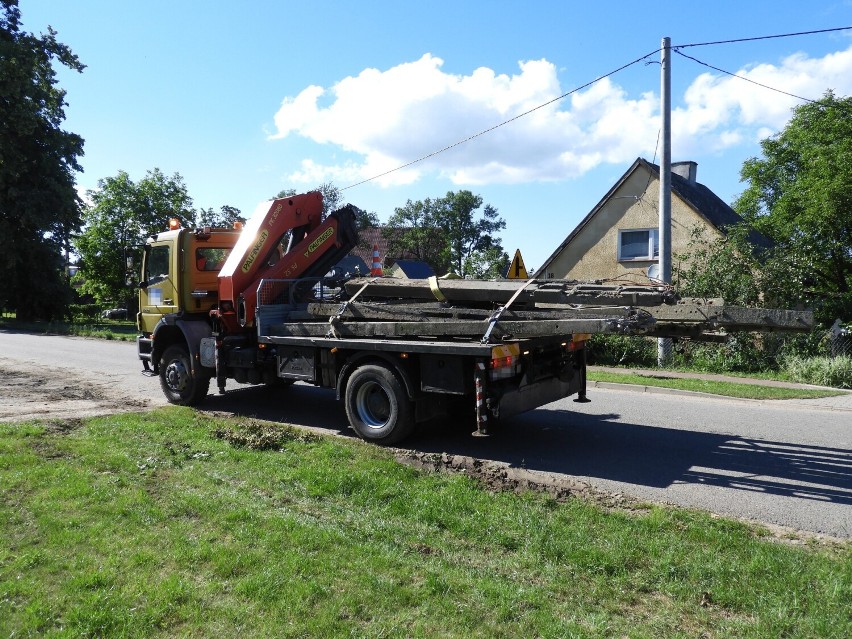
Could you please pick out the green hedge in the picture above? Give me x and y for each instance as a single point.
(620, 350)
(802, 358)
(823, 371)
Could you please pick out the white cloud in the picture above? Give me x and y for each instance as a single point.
(385, 119)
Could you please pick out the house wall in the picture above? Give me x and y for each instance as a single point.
(593, 253)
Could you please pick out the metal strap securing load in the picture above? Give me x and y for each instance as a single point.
(335, 319)
(492, 322)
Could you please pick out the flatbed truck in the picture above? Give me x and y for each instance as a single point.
(398, 353)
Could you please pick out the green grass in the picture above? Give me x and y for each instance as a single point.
(176, 524)
(727, 389)
(122, 330)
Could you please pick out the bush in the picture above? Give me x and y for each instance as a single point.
(823, 371)
(87, 312)
(742, 353)
(748, 352)
(621, 350)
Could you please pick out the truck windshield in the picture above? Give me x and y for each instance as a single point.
(157, 266)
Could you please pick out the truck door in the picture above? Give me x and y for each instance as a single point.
(158, 294)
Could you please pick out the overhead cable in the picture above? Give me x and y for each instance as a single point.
(754, 39)
(505, 122)
(676, 48)
(742, 77)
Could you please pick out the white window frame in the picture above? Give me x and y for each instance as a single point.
(653, 246)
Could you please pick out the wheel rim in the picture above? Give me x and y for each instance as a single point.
(373, 405)
(177, 376)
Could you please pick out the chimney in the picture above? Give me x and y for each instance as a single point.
(686, 170)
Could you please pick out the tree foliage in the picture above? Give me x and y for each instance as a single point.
(450, 233)
(799, 195)
(413, 231)
(735, 268)
(122, 215)
(39, 207)
(722, 267)
(225, 217)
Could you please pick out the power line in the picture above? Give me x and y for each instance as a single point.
(769, 37)
(504, 123)
(676, 48)
(734, 75)
(820, 102)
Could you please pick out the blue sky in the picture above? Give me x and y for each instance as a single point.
(245, 99)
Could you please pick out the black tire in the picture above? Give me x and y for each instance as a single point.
(377, 406)
(179, 385)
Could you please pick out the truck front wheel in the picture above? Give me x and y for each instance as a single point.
(377, 406)
(179, 385)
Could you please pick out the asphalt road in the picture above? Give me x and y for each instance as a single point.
(779, 462)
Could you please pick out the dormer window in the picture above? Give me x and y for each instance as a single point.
(641, 245)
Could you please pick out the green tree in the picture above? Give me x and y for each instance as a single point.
(722, 267)
(740, 268)
(799, 195)
(226, 217)
(450, 233)
(39, 207)
(487, 264)
(367, 220)
(122, 215)
(413, 231)
(470, 240)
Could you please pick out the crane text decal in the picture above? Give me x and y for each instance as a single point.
(275, 213)
(255, 250)
(319, 241)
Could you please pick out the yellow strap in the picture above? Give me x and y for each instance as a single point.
(436, 291)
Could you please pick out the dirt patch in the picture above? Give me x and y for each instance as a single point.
(501, 477)
(56, 394)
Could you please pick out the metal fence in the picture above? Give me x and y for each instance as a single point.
(291, 291)
(841, 343)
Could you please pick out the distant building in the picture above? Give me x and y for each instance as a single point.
(410, 269)
(619, 236)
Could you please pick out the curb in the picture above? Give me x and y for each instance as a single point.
(661, 390)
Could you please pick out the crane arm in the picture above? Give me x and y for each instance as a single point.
(315, 245)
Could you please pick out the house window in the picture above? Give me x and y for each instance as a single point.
(638, 244)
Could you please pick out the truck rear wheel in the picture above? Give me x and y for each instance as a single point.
(179, 385)
(377, 406)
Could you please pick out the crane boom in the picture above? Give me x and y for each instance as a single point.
(314, 246)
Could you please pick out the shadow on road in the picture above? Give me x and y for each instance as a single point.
(589, 445)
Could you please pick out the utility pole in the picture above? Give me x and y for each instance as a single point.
(664, 344)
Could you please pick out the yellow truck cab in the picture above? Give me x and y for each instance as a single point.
(180, 269)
